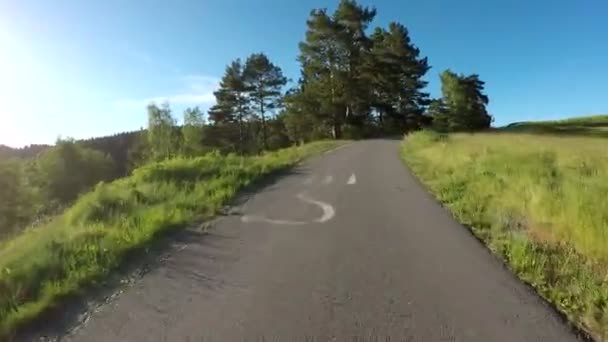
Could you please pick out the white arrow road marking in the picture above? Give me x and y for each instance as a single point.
(352, 180)
(328, 213)
(328, 179)
(328, 210)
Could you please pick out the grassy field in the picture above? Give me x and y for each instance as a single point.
(539, 201)
(591, 126)
(89, 240)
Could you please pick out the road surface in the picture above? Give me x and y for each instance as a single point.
(347, 247)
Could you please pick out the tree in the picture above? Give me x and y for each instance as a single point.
(232, 102)
(16, 198)
(323, 61)
(193, 131)
(68, 169)
(465, 102)
(263, 81)
(347, 76)
(440, 115)
(163, 139)
(277, 133)
(395, 72)
(352, 20)
(332, 60)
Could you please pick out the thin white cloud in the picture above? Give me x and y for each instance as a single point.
(142, 57)
(197, 90)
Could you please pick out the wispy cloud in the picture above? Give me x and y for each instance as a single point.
(196, 90)
(140, 56)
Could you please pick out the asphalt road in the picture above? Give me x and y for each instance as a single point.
(347, 247)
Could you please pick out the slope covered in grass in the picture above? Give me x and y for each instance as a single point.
(92, 237)
(538, 201)
(592, 126)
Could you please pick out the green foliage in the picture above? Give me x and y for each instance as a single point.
(193, 131)
(163, 138)
(463, 104)
(264, 82)
(440, 114)
(34, 188)
(395, 70)
(68, 169)
(116, 146)
(355, 84)
(16, 198)
(93, 236)
(540, 202)
(232, 102)
(246, 103)
(26, 152)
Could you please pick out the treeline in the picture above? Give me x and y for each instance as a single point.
(35, 188)
(25, 152)
(355, 82)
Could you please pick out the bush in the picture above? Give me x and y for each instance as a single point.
(68, 169)
(16, 198)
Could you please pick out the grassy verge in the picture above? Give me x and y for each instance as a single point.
(539, 202)
(90, 239)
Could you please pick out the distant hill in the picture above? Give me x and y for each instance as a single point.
(24, 152)
(596, 125)
(116, 146)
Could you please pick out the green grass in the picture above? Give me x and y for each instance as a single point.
(90, 239)
(593, 126)
(538, 201)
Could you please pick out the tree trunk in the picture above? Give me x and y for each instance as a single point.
(241, 149)
(241, 133)
(337, 130)
(264, 136)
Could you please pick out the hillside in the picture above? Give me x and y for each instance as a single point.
(30, 151)
(596, 125)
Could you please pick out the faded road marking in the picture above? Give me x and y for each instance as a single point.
(328, 180)
(328, 213)
(328, 210)
(336, 149)
(307, 181)
(352, 180)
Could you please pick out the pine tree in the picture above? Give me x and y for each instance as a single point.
(323, 62)
(331, 59)
(263, 81)
(352, 20)
(395, 72)
(232, 102)
(465, 101)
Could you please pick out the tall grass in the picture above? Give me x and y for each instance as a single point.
(91, 238)
(540, 202)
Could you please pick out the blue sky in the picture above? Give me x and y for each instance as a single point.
(83, 68)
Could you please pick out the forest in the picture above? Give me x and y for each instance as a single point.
(356, 81)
